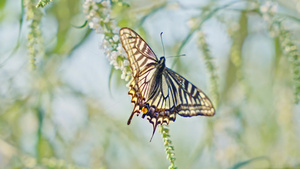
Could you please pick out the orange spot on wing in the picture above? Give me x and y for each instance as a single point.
(144, 110)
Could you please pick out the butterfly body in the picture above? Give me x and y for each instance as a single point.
(158, 92)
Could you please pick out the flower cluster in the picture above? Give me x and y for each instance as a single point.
(34, 37)
(287, 44)
(291, 50)
(43, 3)
(116, 55)
(98, 15)
(210, 65)
(268, 9)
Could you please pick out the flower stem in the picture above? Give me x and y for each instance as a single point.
(168, 146)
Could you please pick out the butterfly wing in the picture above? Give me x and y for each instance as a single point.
(143, 63)
(174, 94)
(187, 98)
(138, 51)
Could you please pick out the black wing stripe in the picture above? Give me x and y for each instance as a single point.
(144, 46)
(186, 85)
(173, 91)
(193, 90)
(143, 63)
(139, 56)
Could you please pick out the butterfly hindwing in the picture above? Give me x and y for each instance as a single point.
(173, 94)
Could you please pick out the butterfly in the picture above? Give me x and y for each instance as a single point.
(158, 92)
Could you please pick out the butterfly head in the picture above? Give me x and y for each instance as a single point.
(162, 60)
(161, 64)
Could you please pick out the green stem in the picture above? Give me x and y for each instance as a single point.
(168, 146)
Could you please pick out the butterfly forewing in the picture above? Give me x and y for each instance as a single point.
(158, 92)
(138, 51)
(187, 98)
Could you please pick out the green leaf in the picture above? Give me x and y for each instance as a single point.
(247, 162)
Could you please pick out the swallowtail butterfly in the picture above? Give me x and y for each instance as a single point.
(159, 93)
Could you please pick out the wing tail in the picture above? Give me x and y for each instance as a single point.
(154, 128)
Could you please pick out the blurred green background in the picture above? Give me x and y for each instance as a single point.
(63, 105)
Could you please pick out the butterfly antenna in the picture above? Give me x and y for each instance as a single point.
(176, 56)
(162, 42)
